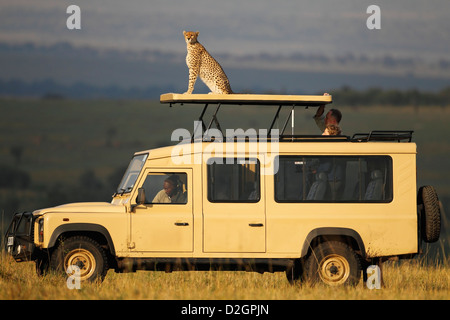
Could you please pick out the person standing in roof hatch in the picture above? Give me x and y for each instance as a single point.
(328, 124)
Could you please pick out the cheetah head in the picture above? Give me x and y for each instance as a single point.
(190, 36)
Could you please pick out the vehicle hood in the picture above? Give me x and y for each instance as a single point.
(83, 207)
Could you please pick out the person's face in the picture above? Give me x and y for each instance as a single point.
(330, 119)
(168, 188)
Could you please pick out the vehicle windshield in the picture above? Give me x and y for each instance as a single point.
(132, 173)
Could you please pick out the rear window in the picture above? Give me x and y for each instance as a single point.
(334, 179)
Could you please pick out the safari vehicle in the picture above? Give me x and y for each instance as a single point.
(321, 208)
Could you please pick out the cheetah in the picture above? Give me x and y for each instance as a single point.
(201, 63)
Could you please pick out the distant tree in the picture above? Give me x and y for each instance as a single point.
(52, 96)
(16, 152)
(89, 181)
(393, 97)
(11, 177)
(91, 188)
(110, 134)
(444, 95)
(9, 206)
(57, 194)
(115, 178)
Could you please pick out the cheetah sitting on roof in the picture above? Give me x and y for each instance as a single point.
(201, 63)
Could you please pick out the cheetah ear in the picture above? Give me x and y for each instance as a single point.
(197, 33)
(184, 32)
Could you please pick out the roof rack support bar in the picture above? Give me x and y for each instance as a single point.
(287, 120)
(275, 118)
(203, 112)
(292, 122)
(214, 118)
(200, 119)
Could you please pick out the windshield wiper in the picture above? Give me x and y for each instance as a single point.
(122, 191)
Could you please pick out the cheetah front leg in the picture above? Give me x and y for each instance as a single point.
(192, 78)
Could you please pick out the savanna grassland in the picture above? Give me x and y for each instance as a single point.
(402, 280)
(59, 151)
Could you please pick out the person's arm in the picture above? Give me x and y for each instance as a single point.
(159, 198)
(319, 111)
(319, 117)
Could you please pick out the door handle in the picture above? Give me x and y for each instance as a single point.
(181, 224)
(256, 225)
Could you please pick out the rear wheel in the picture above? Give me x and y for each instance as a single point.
(82, 252)
(333, 263)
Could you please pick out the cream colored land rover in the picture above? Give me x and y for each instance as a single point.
(319, 208)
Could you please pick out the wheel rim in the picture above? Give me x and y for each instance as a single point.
(84, 260)
(334, 269)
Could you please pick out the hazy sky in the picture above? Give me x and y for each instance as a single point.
(408, 27)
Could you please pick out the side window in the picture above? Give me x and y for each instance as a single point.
(334, 179)
(166, 188)
(233, 180)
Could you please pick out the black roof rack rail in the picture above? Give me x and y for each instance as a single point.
(383, 135)
(376, 135)
(313, 138)
(269, 138)
(357, 137)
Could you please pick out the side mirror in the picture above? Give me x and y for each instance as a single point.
(141, 196)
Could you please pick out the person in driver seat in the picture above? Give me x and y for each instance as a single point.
(172, 191)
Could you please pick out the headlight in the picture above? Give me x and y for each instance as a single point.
(41, 230)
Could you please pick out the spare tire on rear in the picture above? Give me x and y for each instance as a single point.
(430, 213)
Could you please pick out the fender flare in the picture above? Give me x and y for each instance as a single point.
(80, 227)
(333, 231)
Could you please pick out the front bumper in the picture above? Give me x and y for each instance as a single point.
(19, 238)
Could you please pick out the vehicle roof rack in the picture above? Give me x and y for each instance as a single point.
(383, 135)
(291, 101)
(247, 99)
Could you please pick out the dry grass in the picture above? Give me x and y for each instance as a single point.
(406, 280)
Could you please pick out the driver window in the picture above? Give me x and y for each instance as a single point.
(165, 188)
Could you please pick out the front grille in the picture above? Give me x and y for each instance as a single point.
(22, 226)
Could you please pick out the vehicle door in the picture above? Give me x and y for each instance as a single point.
(233, 206)
(164, 223)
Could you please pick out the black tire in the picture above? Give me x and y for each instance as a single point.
(430, 211)
(83, 252)
(333, 263)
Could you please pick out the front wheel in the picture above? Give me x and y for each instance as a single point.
(82, 252)
(333, 263)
